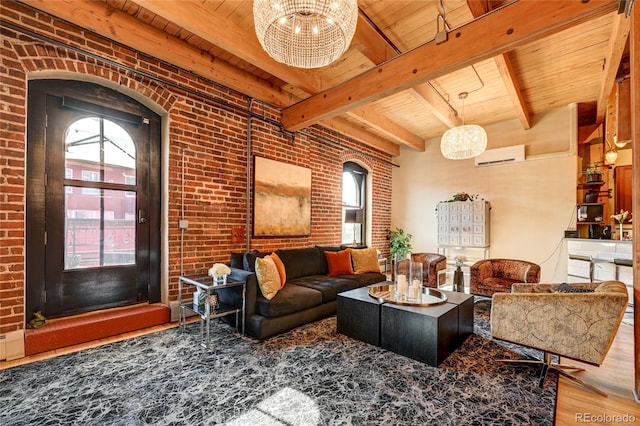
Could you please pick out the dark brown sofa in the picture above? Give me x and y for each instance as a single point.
(308, 295)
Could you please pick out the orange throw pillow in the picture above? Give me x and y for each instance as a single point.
(339, 262)
(280, 266)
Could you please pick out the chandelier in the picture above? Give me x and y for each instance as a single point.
(462, 142)
(305, 33)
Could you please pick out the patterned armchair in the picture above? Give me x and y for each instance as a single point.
(497, 275)
(576, 325)
(432, 263)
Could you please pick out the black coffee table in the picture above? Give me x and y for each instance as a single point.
(427, 334)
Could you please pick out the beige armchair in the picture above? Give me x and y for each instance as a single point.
(489, 276)
(580, 326)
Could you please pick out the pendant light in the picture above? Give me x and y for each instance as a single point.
(462, 142)
(305, 33)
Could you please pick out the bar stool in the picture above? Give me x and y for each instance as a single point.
(621, 262)
(586, 258)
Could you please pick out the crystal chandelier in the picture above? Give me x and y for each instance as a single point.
(305, 33)
(462, 142)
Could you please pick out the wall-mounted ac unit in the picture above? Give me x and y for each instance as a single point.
(509, 154)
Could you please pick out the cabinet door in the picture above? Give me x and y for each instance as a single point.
(479, 241)
(478, 217)
(623, 188)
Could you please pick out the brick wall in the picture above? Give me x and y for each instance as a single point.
(210, 138)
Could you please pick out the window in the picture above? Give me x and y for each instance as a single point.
(68, 174)
(100, 219)
(90, 176)
(130, 180)
(354, 197)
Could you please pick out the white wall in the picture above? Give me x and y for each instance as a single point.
(533, 202)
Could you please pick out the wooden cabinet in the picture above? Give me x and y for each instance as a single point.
(618, 120)
(623, 194)
(464, 223)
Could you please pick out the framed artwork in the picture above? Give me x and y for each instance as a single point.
(281, 199)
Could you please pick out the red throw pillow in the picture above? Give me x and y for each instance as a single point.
(339, 262)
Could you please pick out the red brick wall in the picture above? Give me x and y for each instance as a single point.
(212, 139)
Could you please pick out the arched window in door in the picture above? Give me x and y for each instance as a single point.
(354, 201)
(100, 191)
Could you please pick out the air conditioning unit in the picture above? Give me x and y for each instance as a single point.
(509, 154)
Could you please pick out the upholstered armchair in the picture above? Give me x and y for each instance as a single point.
(490, 276)
(432, 263)
(580, 326)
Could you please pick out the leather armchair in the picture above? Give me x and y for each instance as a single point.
(489, 276)
(432, 263)
(580, 326)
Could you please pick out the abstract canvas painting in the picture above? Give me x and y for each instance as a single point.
(281, 199)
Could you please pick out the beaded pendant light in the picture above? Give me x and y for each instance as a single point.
(305, 33)
(462, 142)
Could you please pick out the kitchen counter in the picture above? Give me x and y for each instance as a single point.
(594, 260)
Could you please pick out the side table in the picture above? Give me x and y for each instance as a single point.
(207, 312)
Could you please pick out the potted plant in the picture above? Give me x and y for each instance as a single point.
(592, 173)
(399, 243)
(460, 196)
(399, 247)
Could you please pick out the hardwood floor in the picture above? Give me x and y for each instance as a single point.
(615, 377)
(576, 404)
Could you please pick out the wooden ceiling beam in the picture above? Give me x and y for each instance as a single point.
(197, 18)
(356, 132)
(493, 34)
(478, 7)
(378, 50)
(118, 26)
(127, 30)
(202, 21)
(370, 43)
(382, 124)
(619, 35)
(505, 68)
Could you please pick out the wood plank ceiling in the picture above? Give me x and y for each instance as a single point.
(516, 59)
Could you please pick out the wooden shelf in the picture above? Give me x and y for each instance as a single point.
(590, 184)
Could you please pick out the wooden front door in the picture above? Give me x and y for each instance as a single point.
(93, 199)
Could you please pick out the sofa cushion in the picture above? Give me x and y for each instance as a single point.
(302, 262)
(365, 279)
(249, 261)
(236, 260)
(268, 277)
(339, 262)
(365, 260)
(328, 286)
(281, 270)
(322, 249)
(290, 299)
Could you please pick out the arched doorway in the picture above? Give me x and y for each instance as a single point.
(93, 199)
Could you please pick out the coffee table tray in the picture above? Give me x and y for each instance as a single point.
(426, 296)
